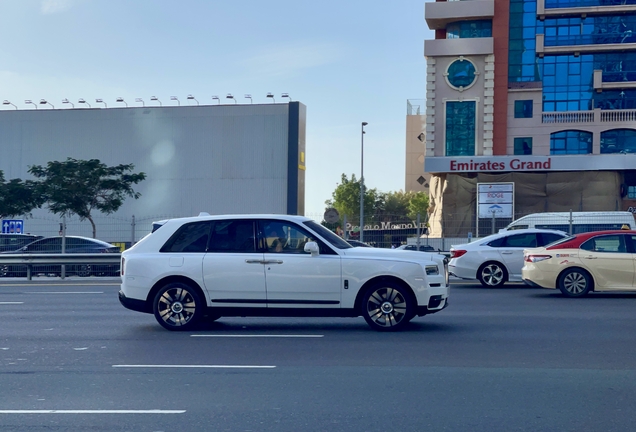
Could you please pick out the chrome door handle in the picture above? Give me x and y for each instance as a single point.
(253, 261)
(590, 257)
(506, 253)
(272, 262)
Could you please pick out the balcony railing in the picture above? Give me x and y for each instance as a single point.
(568, 117)
(594, 116)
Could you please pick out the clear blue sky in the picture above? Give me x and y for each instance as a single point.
(348, 61)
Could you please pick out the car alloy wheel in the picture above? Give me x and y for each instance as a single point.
(575, 283)
(492, 275)
(387, 307)
(177, 306)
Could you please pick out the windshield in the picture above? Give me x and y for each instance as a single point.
(331, 237)
(563, 240)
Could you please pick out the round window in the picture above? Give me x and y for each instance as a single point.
(461, 74)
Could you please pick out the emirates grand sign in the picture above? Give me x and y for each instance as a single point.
(604, 162)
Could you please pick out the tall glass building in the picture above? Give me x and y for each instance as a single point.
(537, 94)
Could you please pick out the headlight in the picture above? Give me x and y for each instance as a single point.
(432, 270)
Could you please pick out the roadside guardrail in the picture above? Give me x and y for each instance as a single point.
(29, 260)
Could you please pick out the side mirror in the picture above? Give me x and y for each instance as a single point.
(312, 248)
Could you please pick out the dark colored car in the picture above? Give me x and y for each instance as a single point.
(423, 248)
(11, 242)
(53, 245)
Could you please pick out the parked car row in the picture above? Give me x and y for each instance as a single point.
(53, 245)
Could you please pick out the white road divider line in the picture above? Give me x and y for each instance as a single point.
(66, 292)
(11, 303)
(153, 411)
(256, 336)
(196, 366)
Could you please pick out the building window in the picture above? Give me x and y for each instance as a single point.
(469, 29)
(523, 109)
(461, 74)
(571, 142)
(523, 146)
(618, 141)
(631, 192)
(460, 128)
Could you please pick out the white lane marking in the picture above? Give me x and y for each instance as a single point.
(80, 349)
(66, 292)
(11, 303)
(154, 411)
(196, 366)
(258, 336)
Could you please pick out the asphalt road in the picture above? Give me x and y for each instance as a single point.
(509, 359)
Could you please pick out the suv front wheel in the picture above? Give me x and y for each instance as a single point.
(387, 306)
(178, 306)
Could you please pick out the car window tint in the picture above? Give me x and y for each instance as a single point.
(287, 237)
(233, 236)
(527, 240)
(335, 240)
(607, 243)
(497, 242)
(547, 238)
(190, 238)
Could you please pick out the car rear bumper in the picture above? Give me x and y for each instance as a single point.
(133, 304)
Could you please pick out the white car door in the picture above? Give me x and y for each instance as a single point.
(294, 278)
(233, 270)
(511, 251)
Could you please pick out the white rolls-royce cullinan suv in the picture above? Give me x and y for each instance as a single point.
(274, 265)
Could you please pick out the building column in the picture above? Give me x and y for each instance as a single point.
(430, 108)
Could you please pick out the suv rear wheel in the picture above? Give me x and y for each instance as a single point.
(178, 306)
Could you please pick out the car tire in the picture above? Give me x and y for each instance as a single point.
(492, 274)
(178, 306)
(575, 282)
(84, 270)
(387, 306)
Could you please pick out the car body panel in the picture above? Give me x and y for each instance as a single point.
(509, 255)
(611, 270)
(284, 281)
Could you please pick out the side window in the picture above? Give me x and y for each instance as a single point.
(233, 236)
(497, 242)
(522, 240)
(288, 238)
(51, 245)
(192, 237)
(547, 238)
(608, 243)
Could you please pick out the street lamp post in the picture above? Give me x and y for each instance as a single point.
(362, 182)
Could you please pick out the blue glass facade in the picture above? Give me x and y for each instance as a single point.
(568, 80)
(571, 142)
(618, 141)
(469, 29)
(460, 128)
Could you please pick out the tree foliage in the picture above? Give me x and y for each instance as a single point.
(18, 197)
(378, 206)
(82, 186)
(346, 199)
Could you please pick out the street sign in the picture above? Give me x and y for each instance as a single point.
(495, 200)
(13, 226)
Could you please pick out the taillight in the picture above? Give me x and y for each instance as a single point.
(123, 260)
(536, 258)
(457, 253)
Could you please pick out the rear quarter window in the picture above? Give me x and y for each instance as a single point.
(190, 238)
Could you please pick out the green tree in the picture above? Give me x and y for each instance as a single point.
(418, 203)
(392, 206)
(346, 199)
(18, 197)
(82, 186)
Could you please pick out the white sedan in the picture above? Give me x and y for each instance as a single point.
(498, 258)
(275, 265)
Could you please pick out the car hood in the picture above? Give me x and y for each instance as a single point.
(393, 254)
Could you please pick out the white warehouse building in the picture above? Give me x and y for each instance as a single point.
(209, 158)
